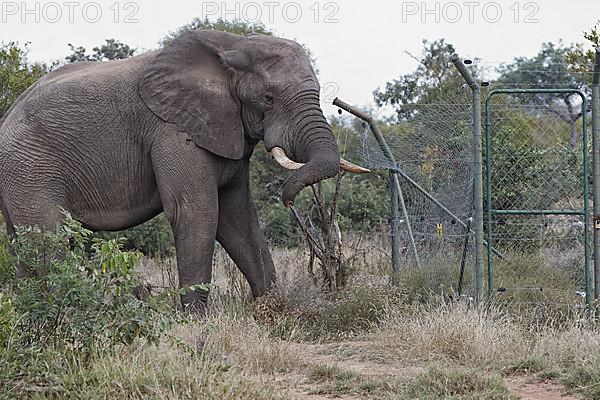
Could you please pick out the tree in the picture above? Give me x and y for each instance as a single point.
(16, 74)
(111, 50)
(431, 80)
(580, 59)
(549, 69)
(237, 27)
(428, 120)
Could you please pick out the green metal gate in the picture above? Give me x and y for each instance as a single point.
(537, 198)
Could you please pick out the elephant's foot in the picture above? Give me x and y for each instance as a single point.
(195, 302)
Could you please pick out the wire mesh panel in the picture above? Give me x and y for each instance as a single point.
(433, 150)
(537, 200)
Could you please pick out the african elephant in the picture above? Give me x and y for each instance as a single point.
(116, 143)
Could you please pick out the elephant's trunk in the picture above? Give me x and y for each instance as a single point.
(310, 141)
(321, 163)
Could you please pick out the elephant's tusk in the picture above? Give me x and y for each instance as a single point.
(355, 169)
(283, 160)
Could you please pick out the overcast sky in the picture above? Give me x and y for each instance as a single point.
(359, 45)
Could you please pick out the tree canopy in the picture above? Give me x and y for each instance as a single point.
(237, 27)
(549, 69)
(16, 73)
(582, 59)
(111, 50)
(432, 79)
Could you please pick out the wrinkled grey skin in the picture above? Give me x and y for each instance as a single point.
(116, 143)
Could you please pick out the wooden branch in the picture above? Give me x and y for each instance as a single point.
(312, 242)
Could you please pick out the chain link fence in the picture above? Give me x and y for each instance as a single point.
(434, 163)
(537, 201)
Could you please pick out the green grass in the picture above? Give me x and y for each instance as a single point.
(584, 379)
(434, 383)
(448, 383)
(529, 365)
(533, 278)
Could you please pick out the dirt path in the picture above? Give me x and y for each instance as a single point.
(353, 357)
(357, 358)
(531, 388)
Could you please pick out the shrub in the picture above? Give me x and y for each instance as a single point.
(364, 202)
(152, 238)
(78, 298)
(78, 302)
(279, 226)
(305, 311)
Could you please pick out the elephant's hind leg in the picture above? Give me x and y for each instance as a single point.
(240, 234)
(41, 212)
(10, 228)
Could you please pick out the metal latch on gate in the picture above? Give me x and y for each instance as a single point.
(596, 219)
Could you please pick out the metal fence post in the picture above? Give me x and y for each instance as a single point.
(394, 223)
(596, 170)
(477, 174)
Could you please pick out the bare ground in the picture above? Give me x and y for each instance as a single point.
(529, 387)
(355, 357)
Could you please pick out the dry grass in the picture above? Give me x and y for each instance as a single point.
(453, 383)
(567, 348)
(452, 333)
(238, 340)
(164, 372)
(371, 340)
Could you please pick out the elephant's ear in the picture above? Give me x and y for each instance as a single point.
(188, 83)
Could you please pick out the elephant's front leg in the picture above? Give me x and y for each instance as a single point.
(240, 234)
(187, 179)
(194, 231)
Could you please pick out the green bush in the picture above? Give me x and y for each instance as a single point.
(279, 226)
(75, 304)
(364, 202)
(78, 297)
(152, 238)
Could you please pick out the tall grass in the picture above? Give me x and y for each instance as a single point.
(450, 333)
(265, 349)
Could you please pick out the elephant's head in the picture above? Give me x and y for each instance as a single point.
(228, 91)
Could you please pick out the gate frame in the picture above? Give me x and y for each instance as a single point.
(491, 212)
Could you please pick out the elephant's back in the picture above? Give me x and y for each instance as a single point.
(78, 138)
(78, 102)
(81, 122)
(93, 72)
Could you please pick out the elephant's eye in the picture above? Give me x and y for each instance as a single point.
(269, 98)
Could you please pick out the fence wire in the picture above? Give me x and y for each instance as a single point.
(536, 163)
(433, 146)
